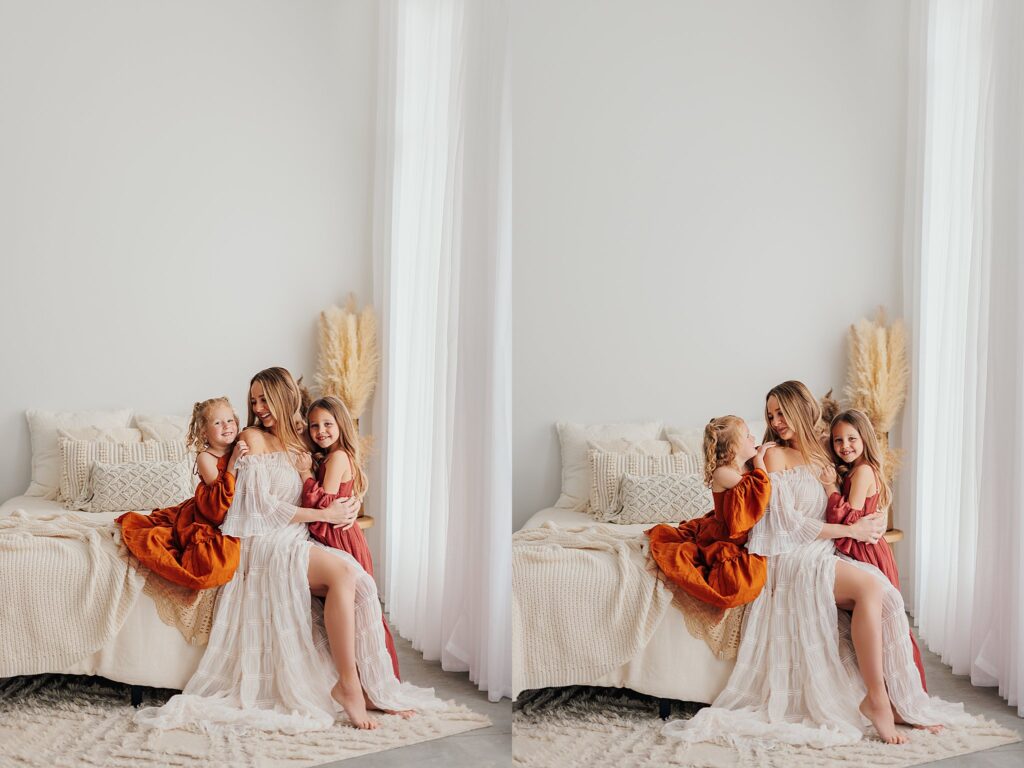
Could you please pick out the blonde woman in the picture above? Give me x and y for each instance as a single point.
(276, 659)
(797, 679)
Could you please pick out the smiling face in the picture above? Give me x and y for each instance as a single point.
(777, 420)
(323, 429)
(846, 442)
(260, 407)
(746, 443)
(221, 426)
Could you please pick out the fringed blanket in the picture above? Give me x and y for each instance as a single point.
(67, 591)
(583, 603)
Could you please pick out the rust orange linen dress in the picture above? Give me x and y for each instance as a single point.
(184, 543)
(707, 557)
(878, 554)
(352, 541)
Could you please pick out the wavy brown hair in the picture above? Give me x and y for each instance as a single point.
(874, 457)
(287, 400)
(720, 438)
(803, 415)
(348, 441)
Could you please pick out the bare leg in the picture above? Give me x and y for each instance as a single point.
(332, 578)
(861, 591)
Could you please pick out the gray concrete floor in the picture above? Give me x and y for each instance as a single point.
(489, 747)
(978, 701)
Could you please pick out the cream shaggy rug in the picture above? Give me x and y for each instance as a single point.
(54, 721)
(606, 727)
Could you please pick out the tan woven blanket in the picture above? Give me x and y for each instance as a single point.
(189, 611)
(67, 590)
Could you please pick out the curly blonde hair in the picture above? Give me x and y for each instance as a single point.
(348, 441)
(720, 438)
(874, 456)
(196, 436)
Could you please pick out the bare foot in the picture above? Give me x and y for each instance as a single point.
(405, 714)
(900, 721)
(350, 697)
(881, 716)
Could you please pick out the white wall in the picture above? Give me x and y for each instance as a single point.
(183, 186)
(706, 195)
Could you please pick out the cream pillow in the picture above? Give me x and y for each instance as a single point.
(137, 485)
(162, 428)
(670, 498)
(43, 427)
(102, 434)
(78, 456)
(574, 439)
(609, 468)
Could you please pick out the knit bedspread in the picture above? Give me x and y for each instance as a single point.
(67, 591)
(583, 603)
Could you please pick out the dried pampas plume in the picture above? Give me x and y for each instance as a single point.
(878, 377)
(349, 358)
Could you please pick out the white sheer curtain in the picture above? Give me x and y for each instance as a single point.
(963, 485)
(442, 281)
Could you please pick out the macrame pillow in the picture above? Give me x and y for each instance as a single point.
(139, 485)
(670, 498)
(78, 456)
(607, 469)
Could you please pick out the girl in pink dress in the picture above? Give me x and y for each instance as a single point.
(864, 491)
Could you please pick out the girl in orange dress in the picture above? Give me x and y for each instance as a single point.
(864, 491)
(339, 475)
(184, 543)
(706, 557)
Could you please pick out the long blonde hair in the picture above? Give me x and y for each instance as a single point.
(286, 399)
(803, 415)
(873, 455)
(720, 438)
(348, 441)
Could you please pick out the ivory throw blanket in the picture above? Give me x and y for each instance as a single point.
(583, 603)
(62, 601)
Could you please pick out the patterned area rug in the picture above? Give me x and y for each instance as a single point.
(54, 721)
(607, 727)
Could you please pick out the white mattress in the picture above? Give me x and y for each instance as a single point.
(145, 651)
(674, 664)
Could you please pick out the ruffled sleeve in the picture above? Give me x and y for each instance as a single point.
(213, 500)
(744, 504)
(785, 527)
(839, 511)
(266, 489)
(314, 496)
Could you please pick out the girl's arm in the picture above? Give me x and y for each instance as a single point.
(206, 463)
(861, 485)
(724, 478)
(338, 470)
(241, 449)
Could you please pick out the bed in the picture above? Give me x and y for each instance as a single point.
(673, 664)
(145, 651)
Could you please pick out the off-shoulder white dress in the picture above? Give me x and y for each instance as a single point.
(268, 663)
(796, 678)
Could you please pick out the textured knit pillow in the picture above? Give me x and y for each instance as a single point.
(139, 485)
(669, 498)
(78, 456)
(607, 470)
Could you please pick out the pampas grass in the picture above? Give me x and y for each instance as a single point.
(348, 360)
(878, 378)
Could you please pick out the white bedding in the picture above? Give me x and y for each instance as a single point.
(146, 651)
(674, 664)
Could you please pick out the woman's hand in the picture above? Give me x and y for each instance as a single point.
(868, 529)
(759, 456)
(342, 513)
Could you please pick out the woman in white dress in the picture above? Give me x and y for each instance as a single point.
(805, 673)
(276, 659)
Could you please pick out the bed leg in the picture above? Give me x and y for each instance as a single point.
(664, 708)
(136, 695)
